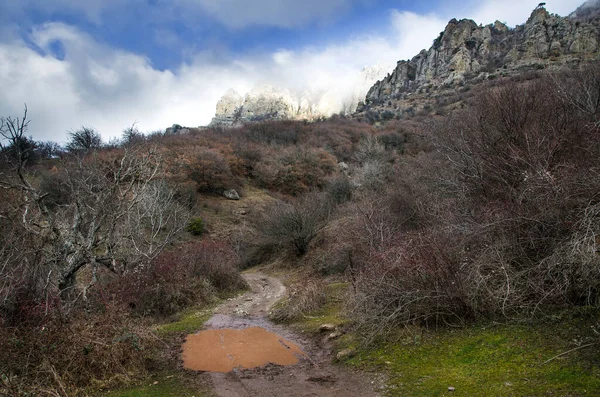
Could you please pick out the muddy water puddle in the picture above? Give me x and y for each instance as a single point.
(223, 350)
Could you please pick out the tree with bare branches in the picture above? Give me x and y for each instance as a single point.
(118, 216)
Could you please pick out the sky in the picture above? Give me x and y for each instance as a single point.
(108, 64)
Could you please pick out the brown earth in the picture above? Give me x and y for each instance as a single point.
(243, 336)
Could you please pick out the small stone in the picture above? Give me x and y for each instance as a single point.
(155, 382)
(327, 327)
(345, 354)
(450, 388)
(334, 335)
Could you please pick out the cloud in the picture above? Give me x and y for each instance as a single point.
(98, 86)
(92, 10)
(234, 14)
(415, 32)
(109, 89)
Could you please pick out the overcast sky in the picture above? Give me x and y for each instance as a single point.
(109, 63)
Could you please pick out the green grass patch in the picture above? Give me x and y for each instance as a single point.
(188, 321)
(330, 313)
(493, 360)
(192, 319)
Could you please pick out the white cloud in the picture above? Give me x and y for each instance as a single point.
(109, 89)
(98, 86)
(415, 32)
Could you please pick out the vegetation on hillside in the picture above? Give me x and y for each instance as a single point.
(490, 213)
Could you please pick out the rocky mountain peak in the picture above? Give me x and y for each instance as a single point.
(466, 52)
(268, 102)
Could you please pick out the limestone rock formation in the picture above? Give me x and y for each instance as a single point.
(465, 51)
(266, 102)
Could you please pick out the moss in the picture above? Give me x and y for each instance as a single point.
(190, 320)
(505, 360)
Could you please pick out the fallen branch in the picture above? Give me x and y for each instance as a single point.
(569, 351)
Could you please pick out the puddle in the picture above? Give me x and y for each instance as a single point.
(222, 350)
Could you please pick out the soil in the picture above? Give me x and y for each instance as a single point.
(264, 359)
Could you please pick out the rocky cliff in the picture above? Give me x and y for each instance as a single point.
(467, 52)
(267, 102)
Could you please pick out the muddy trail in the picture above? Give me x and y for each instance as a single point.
(246, 355)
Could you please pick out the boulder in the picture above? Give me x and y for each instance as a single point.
(231, 194)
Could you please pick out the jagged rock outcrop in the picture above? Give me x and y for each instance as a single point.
(465, 51)
(266, 102)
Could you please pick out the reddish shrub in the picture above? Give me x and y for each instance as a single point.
(178, 278)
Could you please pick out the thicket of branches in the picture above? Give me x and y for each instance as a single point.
(512, 227)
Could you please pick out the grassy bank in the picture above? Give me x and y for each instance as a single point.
(493, 360)
(486, 359)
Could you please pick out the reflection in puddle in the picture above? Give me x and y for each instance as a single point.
(222, 350)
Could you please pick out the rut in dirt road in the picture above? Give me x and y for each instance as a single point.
(247, 355)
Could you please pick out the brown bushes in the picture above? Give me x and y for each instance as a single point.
(106, 339)
(104, 348)
(176, 279)
(294, 170)
(211, 172)
(294, 225)
(418, 280)
(505, 216)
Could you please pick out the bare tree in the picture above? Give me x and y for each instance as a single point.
(119, 214)
(83, 140)
(295, 225)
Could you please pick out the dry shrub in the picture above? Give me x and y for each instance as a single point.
(303, 298)
(211, 172)
(419, 280)
(294, 225)
(193, 273)
(574, 269)
(106, 348)
(294, 170)
(504, 218)
(216, 261)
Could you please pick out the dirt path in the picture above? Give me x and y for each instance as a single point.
(312, 375)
